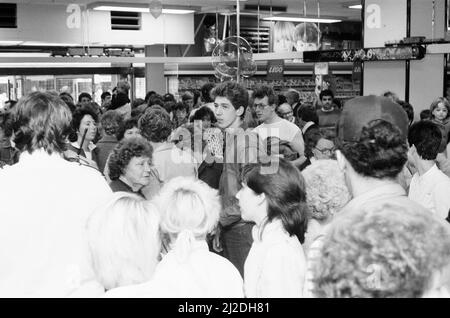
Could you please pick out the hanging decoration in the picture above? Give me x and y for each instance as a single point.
(232, 58)
(155, 8)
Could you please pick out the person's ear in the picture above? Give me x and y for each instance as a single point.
(261, 199)
(342, 162)
(240, 111)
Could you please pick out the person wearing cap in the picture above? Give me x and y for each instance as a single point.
(371, 151)
(429, 185)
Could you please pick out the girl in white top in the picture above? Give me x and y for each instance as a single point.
(189, 211)
(276, 265)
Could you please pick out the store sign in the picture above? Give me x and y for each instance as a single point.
(415, 52)
(321, 68)
(275, 69)
(74, 18)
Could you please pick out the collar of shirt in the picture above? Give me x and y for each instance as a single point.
(388, 190)
(429, 176)
(91, 145)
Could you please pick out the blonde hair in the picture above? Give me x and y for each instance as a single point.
(326, 191)
(124, 240)
(284, 30)
(189, 210)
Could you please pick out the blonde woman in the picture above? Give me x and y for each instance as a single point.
(189, 211)
(124, 240)
(284, 36)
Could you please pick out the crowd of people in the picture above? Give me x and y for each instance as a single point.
(225, 193)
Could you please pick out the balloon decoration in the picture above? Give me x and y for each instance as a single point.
(233, 57)
(155, 8)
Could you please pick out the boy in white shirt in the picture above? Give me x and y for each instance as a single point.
(429, 186)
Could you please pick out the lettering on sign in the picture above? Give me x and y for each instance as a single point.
(74, 19)
(275, 69)
(373, 16)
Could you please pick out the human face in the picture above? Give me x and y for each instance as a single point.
(88, 123)
(250, 203)
(107, 99)
(283, 45)
(137, 172)
(440, 112)
(225, 112)
(263, 110)
(206, 122)
(324, 149)
(327, 102)
(132, 132)
(189, 103)
(301, 46)
(180, 114)
(285, 111)
(85, 101)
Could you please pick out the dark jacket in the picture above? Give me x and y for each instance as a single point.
(120, 186)
(102, 150)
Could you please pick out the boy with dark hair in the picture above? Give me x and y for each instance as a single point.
(230, 104)
(328, 114)
(429, 186)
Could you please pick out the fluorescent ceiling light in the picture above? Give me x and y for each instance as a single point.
(10, 42)
(301, 19)
(37, 43)
(356, 6)
(146, 9)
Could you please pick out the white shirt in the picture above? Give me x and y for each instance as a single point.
(432, 190)
(45, 203)
(282, 129)
(202, 275)
(276, 265)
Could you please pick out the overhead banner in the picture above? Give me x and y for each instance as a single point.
(375, 54)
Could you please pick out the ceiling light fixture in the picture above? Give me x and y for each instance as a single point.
(356, 6)
(103, 6)
(293, 18)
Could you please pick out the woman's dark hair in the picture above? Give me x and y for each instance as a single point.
(155, 124)
(125, 125)
(124, 152)
(206, 92)
(111, 121)
(149, 95)
(41, 121)
(137, 102)
(79, 114)
(285, 194)
(84, 94)
(155, 100)
(380, 153)
(308, 114)
(169, 106)
(281, 99)
(203, 112)
(181, 106)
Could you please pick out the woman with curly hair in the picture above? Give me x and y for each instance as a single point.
(276, 202)
(385, 250)
(130, 165)
(326, 195)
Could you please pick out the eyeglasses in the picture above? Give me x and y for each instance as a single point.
(260, 106)
(326, 151)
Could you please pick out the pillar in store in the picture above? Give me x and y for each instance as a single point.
(384, 20)
(154, 72)
(427, 76)
(418, 82)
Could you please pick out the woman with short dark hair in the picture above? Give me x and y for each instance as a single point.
(276, 202)
(84, 126)
(130, 165)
